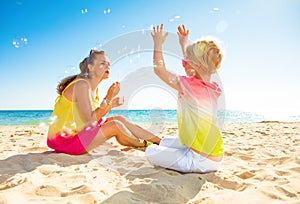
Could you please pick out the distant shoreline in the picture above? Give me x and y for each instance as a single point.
(140, 116)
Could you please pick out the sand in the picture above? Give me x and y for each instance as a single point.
(262, 165)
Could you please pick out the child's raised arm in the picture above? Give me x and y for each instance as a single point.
(158, 60)
(183, 35)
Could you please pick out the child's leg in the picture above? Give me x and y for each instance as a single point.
(183, 160)
(167, 157)
(173, 155)
(173, 142)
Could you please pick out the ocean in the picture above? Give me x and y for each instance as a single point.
(42, 117)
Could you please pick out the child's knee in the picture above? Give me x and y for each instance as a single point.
(151, 152)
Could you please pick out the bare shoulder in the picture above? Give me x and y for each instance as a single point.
(79, 86)
(81, 82)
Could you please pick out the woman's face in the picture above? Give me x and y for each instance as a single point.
(102, 66)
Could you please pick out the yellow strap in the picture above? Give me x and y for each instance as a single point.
(73, 82)
(97, 96)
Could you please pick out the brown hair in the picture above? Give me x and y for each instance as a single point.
(84, 71)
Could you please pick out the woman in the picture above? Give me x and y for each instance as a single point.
(78, 122)
(199, 147)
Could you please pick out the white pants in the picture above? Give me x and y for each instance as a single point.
(171, 154)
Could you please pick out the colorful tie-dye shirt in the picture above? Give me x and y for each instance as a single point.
(197, 121)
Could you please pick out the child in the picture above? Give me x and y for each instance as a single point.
(78, 119)
(199, 147)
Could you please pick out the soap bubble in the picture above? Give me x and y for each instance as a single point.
(192, 72)
(141, 79)
(42, 125)
(53, 119)
(71, 70)
(175, 18)
(221, 26)
(84, 11)
(19, 42)
(173, 79)
(94, 123)
(106, 11)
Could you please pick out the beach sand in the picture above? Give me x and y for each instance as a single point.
(261, 165)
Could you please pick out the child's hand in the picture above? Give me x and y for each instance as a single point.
(158, 36)
(183, 35)
(113, 90)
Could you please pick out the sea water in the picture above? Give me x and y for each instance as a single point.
(42, 117)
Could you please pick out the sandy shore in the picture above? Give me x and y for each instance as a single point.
(262, 165)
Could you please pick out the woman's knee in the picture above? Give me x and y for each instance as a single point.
(118, 128)
(119, 118)
(112, 127)
(118, 125)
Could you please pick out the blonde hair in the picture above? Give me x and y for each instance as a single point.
(206, 54)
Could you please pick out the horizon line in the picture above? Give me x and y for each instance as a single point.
(52, 109)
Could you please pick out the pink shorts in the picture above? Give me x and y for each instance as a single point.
(75, 145)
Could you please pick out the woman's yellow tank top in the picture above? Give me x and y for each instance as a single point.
(66, 118)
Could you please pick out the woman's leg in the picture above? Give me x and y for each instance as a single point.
(136, 130)
(117, 129)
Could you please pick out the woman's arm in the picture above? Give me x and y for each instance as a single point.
(82, 97)
(108, 102)
(158, 60)
(103, 109)
(116, 102)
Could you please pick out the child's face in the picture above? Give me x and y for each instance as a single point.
(189, 67)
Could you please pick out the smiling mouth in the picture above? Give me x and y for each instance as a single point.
(107, 72)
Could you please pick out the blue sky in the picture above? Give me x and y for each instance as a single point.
(40, 42)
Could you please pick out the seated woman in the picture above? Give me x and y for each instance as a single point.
(199, 147)
(78, 122)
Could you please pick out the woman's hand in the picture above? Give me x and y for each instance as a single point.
(183, 35)
(113, 90)
(158, 36)
(117, 102)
